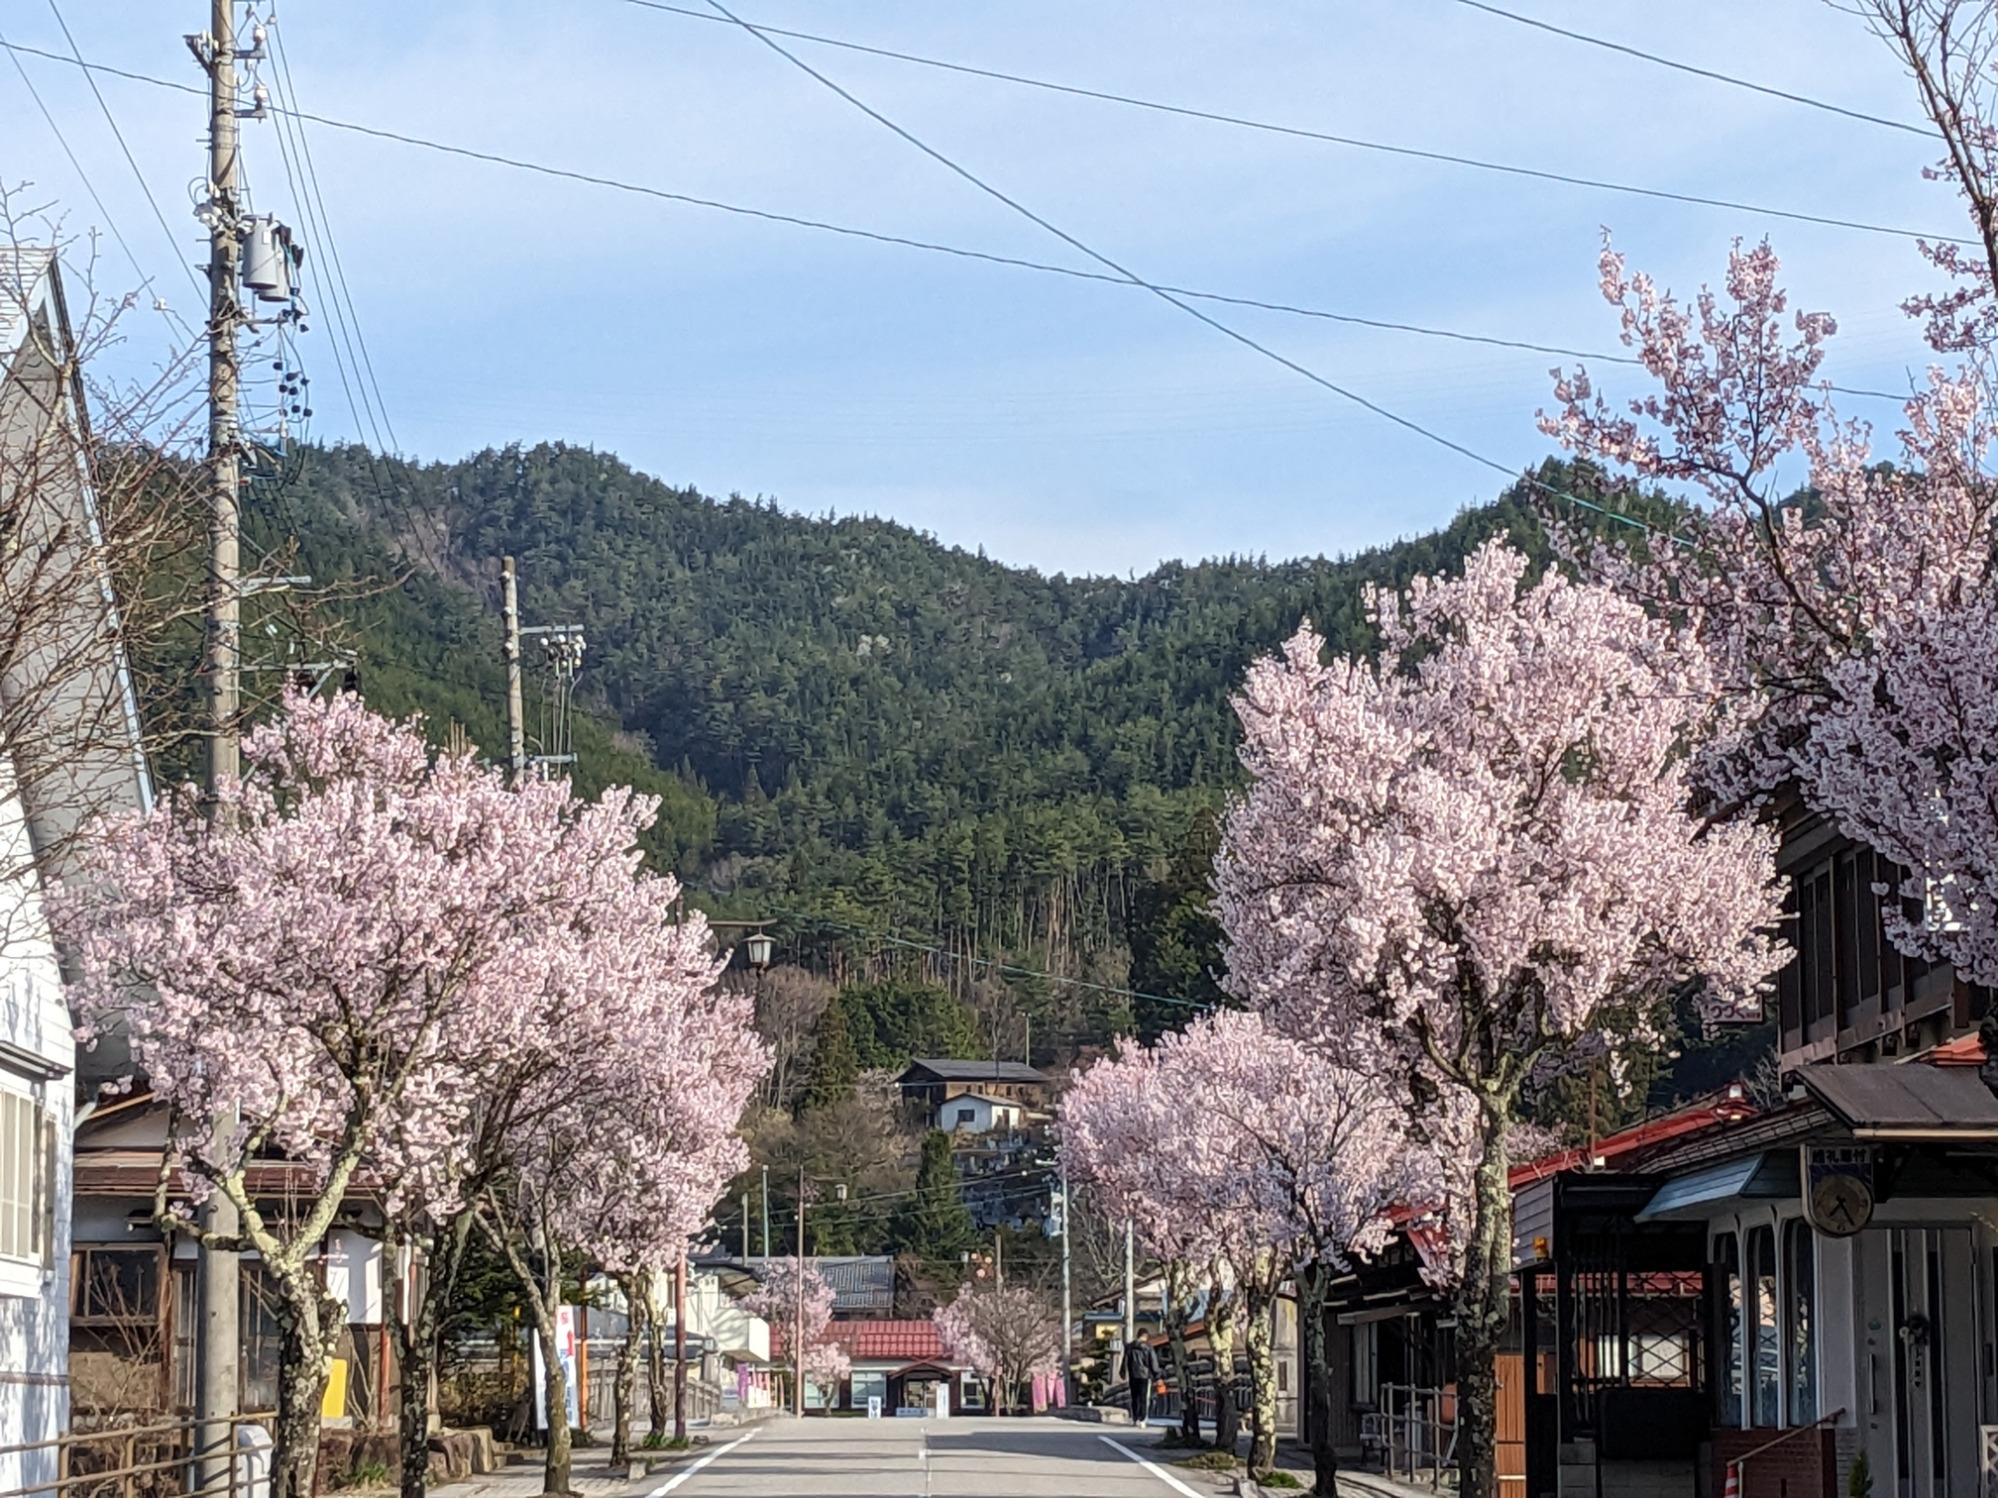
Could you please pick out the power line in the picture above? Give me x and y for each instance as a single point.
(144, 186)
(350, 320)
(1012, 969)
(900, 241)
(1686, 67)
(1176, 297)
(1167, 297)
(83, 176)
(1300, 133)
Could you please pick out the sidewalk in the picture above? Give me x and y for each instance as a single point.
(1377, 1485)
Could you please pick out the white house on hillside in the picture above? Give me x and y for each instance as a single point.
(69, 747)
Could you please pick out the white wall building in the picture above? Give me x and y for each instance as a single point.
(69, 748)
(974, 1113)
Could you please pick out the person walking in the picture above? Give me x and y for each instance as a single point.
(1141, 1370)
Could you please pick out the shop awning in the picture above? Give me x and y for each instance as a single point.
(1910, 1101)
(1693, 1196)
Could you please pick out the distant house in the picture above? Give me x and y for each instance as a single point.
(975, 1113)
(933, 1081)
(901, 1363)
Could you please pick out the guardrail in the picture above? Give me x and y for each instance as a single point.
(153, 1459)
(1413, 1433)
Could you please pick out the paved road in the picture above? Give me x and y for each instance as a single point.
(964, 1458)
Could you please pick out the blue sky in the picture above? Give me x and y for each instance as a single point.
(1061, 424)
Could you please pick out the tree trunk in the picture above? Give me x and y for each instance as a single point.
(416, 1338)
(555, 1390)
(1311, 1285)
(1258, 1336)
(1221, 1338)
(657, 1387)
(1177, 1301)
(625, 1387)
(305, 1359)
(1483, 1307)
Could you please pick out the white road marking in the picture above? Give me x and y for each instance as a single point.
(1152, 1467)
(666, 1487)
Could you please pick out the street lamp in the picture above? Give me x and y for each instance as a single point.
(760, 948)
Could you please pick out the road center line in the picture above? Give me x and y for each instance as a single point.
(666, 1487)
(1152, 1467)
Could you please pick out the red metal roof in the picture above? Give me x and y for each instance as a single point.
(877, 1341)
(1965, 1050)
(1636, 1140)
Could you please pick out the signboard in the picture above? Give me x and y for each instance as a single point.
(874, 1406)
(1838, 1187)
(565, 1350)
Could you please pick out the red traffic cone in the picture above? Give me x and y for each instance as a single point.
(1732, 1487)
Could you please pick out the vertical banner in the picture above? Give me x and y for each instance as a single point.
(565, 1351)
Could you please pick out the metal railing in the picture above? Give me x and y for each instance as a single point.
(704, 1400)
(1412, 1432)
(155, 1459)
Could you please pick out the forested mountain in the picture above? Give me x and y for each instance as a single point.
(870, 735)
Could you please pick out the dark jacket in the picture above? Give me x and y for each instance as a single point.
(1141, 1364)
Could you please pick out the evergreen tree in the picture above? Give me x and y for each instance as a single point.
(935, 1224)
(1175, 938)
(835, 1066)
(896, 1021)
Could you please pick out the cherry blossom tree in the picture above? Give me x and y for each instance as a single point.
(1127, 1137)
(1851, 632)
(1329, 1157)
(337, 962)
(1007, 1334)
(1476, 855)
(626, 1142)
(815, 1356)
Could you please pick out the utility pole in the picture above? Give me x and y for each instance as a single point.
(998, 1261)
(221, 1268)
(1130, 1283)
(745, 1227)
(766, 1211)
(564, 645)
(798, 1342)
(1067, 1310)
(680, 1348)
(516, 715)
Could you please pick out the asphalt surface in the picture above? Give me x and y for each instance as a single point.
(961, 1458)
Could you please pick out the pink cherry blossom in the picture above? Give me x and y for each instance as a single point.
(1476, 854)
(776, 1301)
(1849, 635)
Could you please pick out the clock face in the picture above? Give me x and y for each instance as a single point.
(1841, 1205)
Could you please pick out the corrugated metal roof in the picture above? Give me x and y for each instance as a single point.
(1755, 1177)
(949, 1069)
(1906, 1101)
(859, 1283)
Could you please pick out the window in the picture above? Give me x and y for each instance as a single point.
(27, 1180)
(115, 1286)
(1767, 1346)
(1800, 1320)
(870, 1386)
(967, 1115)
(1727, 1339)
(1366, 1362)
